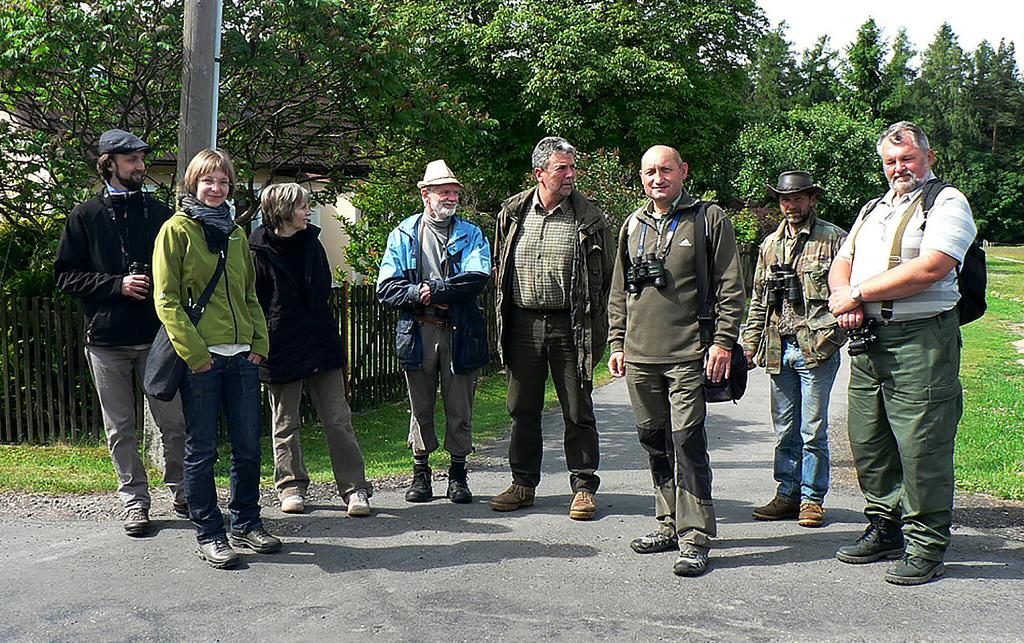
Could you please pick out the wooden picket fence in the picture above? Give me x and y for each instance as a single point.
(46, 389)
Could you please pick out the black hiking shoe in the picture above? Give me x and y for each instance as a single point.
(458, 484)
(218, 553)
(913, 570)
(881, 539)
(258, 540)
(136, 521)
(420, 489)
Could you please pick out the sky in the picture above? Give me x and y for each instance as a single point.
(972, 21)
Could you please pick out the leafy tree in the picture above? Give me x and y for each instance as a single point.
(601, 73)
(818, 81)
(863, 70)
(773, 75)
(837, 148)
(897, 80)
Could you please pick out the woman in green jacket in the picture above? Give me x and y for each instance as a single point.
(222, 352)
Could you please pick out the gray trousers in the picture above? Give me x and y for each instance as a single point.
(113, 369)
(327, 391)
(668, 401)
(457, 391)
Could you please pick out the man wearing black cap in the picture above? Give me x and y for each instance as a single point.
(792, 334)
(104, 259)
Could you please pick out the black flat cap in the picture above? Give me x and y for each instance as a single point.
(118, 141)
(794, 182)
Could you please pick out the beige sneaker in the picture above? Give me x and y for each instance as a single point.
(812, 514)
(293, 504)
(583, 507)
(515, 497)
(359, 503)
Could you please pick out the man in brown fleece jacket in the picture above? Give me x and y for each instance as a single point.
(655, 344)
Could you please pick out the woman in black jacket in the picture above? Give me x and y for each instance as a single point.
(293, 283)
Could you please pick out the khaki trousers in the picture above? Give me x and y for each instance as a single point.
(457, 392)
(113, 370)
(668, 401)
(327, 391)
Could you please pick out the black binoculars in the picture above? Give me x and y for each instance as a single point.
(648, 271)
(862, 338)
(138, 268)
(783, 285)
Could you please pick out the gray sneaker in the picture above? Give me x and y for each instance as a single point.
(692, 561)
(136, 521)
(654, 542)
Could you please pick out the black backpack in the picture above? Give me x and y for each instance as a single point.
(971, 276)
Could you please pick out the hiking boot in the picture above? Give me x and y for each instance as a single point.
(359, 503)
(881, 539)
(913, 570)
(458, 485)
(780, 508)
(583, 506)
(692, 561)
(515, 497)
(420, 489)
(258, 540)
(812, 514)
(662, 540)
(136, 521)
(180, 508)
(218, 553)
(293, 504)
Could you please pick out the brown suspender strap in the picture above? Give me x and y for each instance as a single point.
(896, 253)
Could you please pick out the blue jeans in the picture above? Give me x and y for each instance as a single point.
(799, 399)
(232, 385)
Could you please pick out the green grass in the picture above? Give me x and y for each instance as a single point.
(990, 440)
(382, 433)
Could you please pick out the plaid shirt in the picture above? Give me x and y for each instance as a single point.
(543, 256)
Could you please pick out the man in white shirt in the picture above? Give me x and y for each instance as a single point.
(905, 398)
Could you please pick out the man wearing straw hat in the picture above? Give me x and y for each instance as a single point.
(434, 268)
(792, 334)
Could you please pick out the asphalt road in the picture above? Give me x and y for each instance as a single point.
(462, 572)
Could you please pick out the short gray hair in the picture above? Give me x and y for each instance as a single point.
(278, 203)
(897, 133)
(547, 147)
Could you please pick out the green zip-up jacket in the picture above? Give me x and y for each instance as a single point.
(659, 325)
(182, 267)
(817, 332)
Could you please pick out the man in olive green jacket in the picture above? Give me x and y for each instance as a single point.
(791, 333)
(554, 252)
(656, 345)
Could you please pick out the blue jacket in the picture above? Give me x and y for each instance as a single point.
(398, 286)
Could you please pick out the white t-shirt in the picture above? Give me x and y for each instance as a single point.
(950, 229)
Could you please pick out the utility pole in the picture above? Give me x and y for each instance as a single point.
(197, 128)
(200, 77)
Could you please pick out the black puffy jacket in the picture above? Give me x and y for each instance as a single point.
(96, 248)
(304, 336)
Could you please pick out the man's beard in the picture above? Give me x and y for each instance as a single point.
(129, 182)
(908, 183)
(798, 219)
(445, 211)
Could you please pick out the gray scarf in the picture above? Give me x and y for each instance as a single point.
(217, 222)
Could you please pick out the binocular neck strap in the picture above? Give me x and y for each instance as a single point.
(660, 252)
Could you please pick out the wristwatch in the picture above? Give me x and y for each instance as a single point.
(855, 294)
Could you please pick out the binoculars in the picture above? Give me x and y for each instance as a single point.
(783, 285)
(648, 271)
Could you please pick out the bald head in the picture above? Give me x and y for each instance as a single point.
(662, 172)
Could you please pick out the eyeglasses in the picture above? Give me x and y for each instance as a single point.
(209, 182)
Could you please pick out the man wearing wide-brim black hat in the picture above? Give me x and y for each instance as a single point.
(792, 334)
